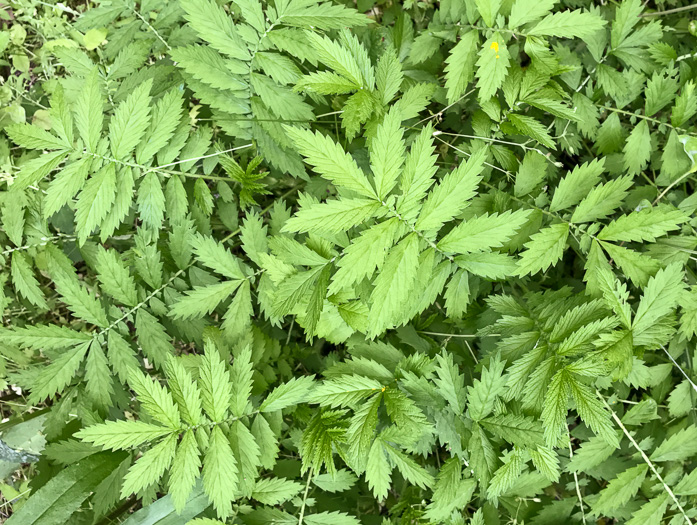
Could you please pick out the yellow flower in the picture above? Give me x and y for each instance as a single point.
(495, 47)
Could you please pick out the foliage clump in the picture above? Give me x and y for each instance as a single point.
(333, 262)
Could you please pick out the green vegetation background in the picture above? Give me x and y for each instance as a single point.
(340, 263)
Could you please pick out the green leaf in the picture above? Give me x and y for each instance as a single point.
(345, 390)
(163, 512)
(518, 430)
(620, 490)
(592, 412)
(506, 475)
(637, 149)
(89, 117)
(330, 161)
(55, 377)
(451, 492)
(387, 153)
(410, 469)
(576, 185)
(365, 254)
(525, 11)
(388, 75)
(114, 277)
(532, 128)
(484, 232)
(568, 24)
(459, 69)
(58, 500)
(331, 518)
(202, 300)
(544, 249)
(492, 66)
(651, 513)
(32, 171)
(450, 382)
(48, 337)
(452, 194)
(33, 137)
(334, 216)
(483, 392)
(117, 435)
(661, 296)
(155, 399)
(212, 24)
(241, 378)
(220, 473)
(185, 470)
(602, 200)
(378, 472)
(24, 281)
(184, 391)
(287, 394)
(679, 446)
(151, 201)
(215, 386)
(636, 266)
(643, 225)
(393, 285)
(341, 481)
(555, 407)
(130, 121)
(95, 201)
(150, 467)
(272, 491)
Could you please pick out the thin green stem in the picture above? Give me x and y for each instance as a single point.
(644, 457)
(307, 489)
